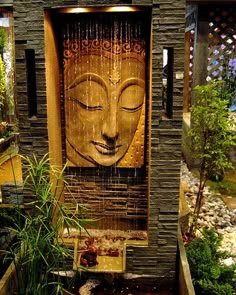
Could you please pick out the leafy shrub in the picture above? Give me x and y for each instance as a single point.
(3, 39)
(212, 135)
(2, 81)
(209, 274)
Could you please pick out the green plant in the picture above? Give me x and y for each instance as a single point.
(5, 130)
(224, 187)
(212, 135)
(229, 76)
(3, 39)
(2, 81)
(40, 252)
(8, 217)
(209, 274)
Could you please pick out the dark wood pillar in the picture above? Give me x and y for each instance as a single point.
(201, 48)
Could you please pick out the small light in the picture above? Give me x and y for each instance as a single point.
(99, 9)
(120, 9)
(75, 10)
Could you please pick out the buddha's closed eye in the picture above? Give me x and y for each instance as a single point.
(86, 106)
(89, 95)
(92, 95)
(131, 98)
(132, 110)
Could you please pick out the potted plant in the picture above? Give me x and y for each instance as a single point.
(7, 136)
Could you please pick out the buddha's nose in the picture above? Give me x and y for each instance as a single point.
(109, 126)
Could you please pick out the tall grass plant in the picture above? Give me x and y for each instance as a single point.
(39, 253)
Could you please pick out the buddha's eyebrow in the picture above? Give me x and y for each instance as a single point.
(129, 82)
(88, 77)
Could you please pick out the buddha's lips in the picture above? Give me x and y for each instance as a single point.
(106, 149)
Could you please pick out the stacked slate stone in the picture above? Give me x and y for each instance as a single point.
(12, 193)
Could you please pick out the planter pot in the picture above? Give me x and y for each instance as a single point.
(7, 269)
(185, 279)
(8, 282)
(5, 144)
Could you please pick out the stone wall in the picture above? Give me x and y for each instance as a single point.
(158, 260)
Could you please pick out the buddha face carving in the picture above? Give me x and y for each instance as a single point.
(103, 103)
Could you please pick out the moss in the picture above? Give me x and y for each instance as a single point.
(226, 186)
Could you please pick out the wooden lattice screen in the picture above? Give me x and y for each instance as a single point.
(191, 43)
(188, 81)
(222, 39)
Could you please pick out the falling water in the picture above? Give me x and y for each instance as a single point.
(95, 49)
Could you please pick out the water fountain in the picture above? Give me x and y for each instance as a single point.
(98, 106)
(105, 101)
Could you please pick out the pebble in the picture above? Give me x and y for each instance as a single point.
(89, 285)
(214, 212)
